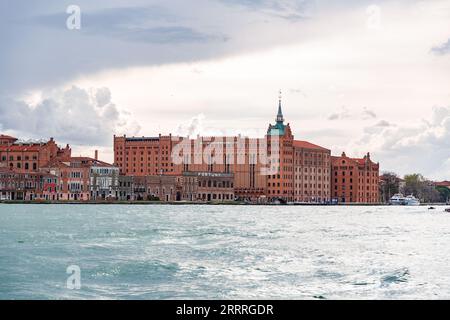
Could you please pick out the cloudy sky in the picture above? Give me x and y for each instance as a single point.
(356, 75)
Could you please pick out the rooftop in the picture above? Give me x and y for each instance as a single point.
(4, 136)
(308, 145)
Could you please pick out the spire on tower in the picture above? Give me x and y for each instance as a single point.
(280, 118)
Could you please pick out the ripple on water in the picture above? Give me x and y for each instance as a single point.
(133, 271)
(395, 277)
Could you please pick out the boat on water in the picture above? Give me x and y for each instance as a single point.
(397, 199)
(400, 200)
(412, 201)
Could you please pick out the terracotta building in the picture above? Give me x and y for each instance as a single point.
(27, 186)
(84, 178)
(273, 168)
(312, 170)
(354, 180)
(280, 184)
(29, 156)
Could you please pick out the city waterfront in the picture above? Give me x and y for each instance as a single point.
(224, 252)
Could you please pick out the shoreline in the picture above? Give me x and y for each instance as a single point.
(231, 203)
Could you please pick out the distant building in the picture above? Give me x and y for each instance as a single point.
(311, 173)
(104, 180)
(84, 179)
(354, 180)
(445, 184)
(207, 186)
(27, 186)
(294, 170)
(29, 157)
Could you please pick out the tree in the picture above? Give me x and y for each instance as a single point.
(422, 188)
(389, 185)
(444, 194)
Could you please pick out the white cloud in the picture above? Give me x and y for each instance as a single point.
(422, 147)
(72, 115)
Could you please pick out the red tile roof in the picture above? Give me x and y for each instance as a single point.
(91, 161)
(24, 147)
(308, 145)
(4, 136)
(443, 184)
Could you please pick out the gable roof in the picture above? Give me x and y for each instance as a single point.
(4, 136)
(308, 145)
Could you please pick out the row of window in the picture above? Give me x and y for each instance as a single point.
(26, 166)
(19, 158)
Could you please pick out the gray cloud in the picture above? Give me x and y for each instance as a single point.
(368, 114)
(343, 114)
(38, 51)
(416, 148)
(74, 116)
(141, 24)
(383, 123)
(442, 49)
(292, 10)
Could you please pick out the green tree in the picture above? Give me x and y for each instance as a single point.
(389, 186)
(444, 194)
(420, 187)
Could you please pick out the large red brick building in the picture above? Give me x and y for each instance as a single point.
(275, 167)
(355, 180)
(29, 156)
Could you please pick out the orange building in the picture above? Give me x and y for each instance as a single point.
(29, 157)
(273, 168)
(311, 173)
(84, 178)
(280, 184)
(143, 156)
(355, 180)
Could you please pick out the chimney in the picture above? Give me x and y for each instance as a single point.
(96, 155)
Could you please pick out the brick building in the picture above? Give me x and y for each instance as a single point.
(84, 179)
(29, 156)
(27, 186)
(354, 180)
(275, 167)
(311, 173)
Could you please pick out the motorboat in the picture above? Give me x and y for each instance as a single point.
(412, 201)
(397, 199)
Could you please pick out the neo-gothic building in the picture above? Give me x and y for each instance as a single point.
(294, 170)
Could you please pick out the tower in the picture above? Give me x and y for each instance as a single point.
(280, 148)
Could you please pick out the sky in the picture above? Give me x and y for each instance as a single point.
(356, 76)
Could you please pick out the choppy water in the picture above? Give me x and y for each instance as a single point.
(224, 252)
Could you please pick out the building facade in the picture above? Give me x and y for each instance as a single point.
(273, 168)
(29, 156)
(312, 171)
(270, 169)
(355, 180)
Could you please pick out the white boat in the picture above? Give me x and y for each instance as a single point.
(397, 200)
(412, 201)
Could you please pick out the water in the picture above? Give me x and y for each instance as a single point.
(224, 252)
